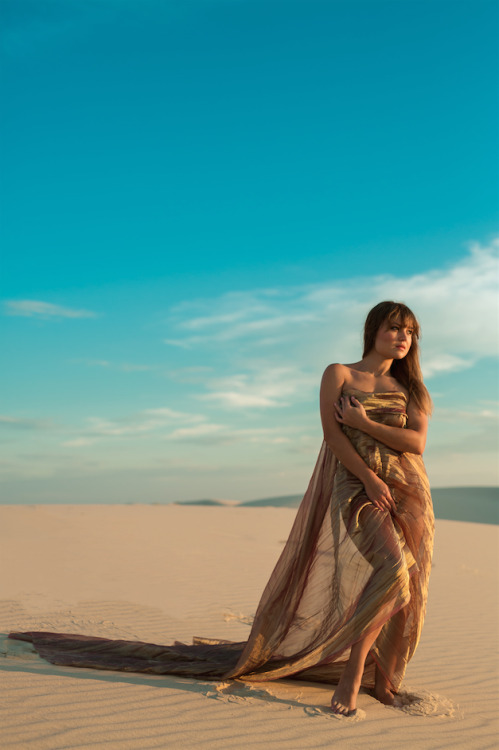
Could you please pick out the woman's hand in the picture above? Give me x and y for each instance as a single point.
(350, 411)
(379, 493)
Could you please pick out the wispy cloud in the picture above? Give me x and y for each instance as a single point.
(240, 399)
(172, 426)
(122, 366)
(307, 326)
(211, 433)
(31, 308)
(440, 363)
(200, 430)
(25, 423)
(261, 387)
(262, 314)
(250, 356)
(477, 416)
(78, 442)
(146, 421)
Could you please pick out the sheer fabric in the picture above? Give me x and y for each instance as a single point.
(347, 568)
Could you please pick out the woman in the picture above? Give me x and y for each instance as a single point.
(346, 601)
(390, 362)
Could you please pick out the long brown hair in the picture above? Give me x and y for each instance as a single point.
(408, 369)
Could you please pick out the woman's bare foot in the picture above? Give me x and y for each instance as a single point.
(384, 695)
(344, 700)
(382, 690)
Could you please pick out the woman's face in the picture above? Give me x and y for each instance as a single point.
(393, 339)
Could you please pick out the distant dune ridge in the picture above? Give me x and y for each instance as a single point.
(470, 504)
(207, 501)
(475, 504)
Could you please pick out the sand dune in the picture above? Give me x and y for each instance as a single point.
(161, 573)
(476, 504)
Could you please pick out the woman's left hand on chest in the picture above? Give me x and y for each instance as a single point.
(349, 411)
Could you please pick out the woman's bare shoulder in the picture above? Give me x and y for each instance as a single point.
(336, 368)
(332, 383)
(335, 374)
(340, 370)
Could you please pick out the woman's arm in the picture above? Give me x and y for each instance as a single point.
(331, 386)
(408, 439)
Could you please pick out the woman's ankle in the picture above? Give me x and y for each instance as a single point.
(381, 681)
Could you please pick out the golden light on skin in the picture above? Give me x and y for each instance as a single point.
(393, 339)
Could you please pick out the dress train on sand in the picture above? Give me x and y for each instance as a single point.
(347, 568)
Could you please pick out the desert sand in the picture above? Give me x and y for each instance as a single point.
(160, 573)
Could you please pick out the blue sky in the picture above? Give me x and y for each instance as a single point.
(202, 200)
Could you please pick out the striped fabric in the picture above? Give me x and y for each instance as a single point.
(347, 568)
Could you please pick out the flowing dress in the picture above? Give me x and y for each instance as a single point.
(346, 569)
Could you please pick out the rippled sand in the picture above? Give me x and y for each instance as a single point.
(160, 573)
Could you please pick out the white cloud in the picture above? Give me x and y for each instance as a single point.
(173, 426)
(218, 433)
(254, 354)
(260, 387)
(37, 309)
(200, 430)
(25, 423)
(458, 306)
(478, 416)
(263, 314)
(308, 327)
(222, 319)
(78, 442)
(123, 366)
(232, 398)
(146, 421)
(440, 363)
(165, 413)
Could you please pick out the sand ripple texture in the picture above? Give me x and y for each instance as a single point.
(163, 572)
